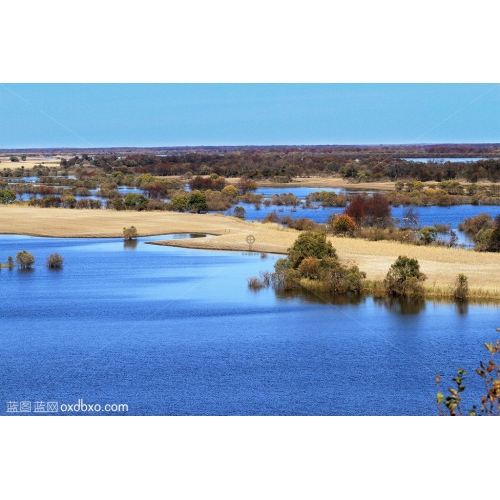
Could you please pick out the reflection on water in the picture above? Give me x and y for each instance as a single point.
(130, 244)
(394, 305)
(306, 296)
(401, 305)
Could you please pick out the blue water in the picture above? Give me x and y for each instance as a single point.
(171, 331)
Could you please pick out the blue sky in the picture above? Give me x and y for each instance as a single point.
(98, 115)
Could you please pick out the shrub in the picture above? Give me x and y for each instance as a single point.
(24, 259)
(310, 244)
(343, 224)
(304, 224)
(130, 233)
(271, 217)
(180, 203)
(7, 196)
(427, 235)
(404, 278)
(312, 261)
(10, 261)
(255, 283)
(230, 192)
(240, 212)
(54, 260)
(369, 210)
(69, 201)
(494, 242)
(197, 202)
(472, 225)
(461, 292)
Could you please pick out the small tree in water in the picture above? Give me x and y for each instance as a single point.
(130, 233)
(24, 259)
(54, 260)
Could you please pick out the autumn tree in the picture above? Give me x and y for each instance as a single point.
(55, 261)
(24, 259)
(130, 233)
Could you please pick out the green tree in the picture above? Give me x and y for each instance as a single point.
(427, 235)
(7, 196)
(197, 202)
(136, 201)
(404, 278)
(24, 259)
(180, 203)
(310, 244)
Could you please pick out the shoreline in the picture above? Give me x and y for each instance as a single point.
(440, 264)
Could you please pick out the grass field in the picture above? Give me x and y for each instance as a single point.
(441, 265)
(28, 163)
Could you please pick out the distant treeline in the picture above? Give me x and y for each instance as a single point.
(283, 166)
(353, 151)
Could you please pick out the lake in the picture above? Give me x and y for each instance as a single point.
(444, 160)
(172, 331)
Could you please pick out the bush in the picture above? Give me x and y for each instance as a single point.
(427, 235)
(24, 259)
(404, 278)
(461, 292)
(343, 224)
(472, 225)
(310, 244)
(130, 233)
(197, 202)
(7, 196)
(240, 212)
(54, 260)
(255, 283)
(271, 217)
(494, 241)
(313, 262)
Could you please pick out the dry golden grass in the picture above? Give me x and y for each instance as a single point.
(441, 265)
(323, 182)
(28, 163)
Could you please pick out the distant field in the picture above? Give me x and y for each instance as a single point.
(28, 163)
(441, 265)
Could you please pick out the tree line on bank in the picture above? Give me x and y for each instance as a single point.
(312, 263)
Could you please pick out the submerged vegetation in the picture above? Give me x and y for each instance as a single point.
(24, 259)
(55, 261)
